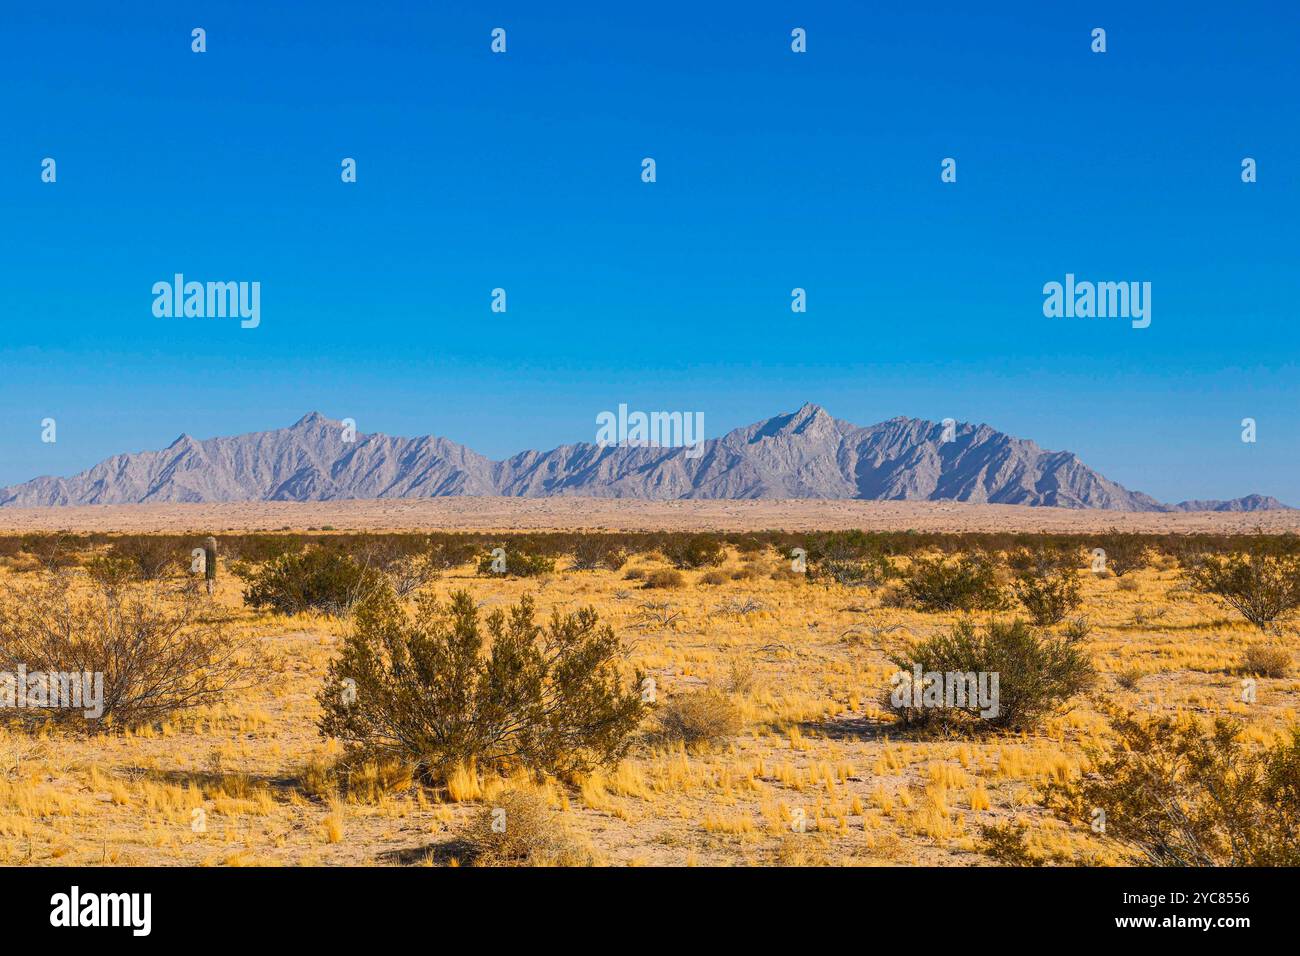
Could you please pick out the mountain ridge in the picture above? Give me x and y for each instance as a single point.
(806, 453)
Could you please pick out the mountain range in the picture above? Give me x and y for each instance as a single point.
(803, 454)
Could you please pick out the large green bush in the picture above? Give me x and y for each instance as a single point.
(428, 688)
(312, 580)
(1036, 673)
(968, 583)
(1261, 585)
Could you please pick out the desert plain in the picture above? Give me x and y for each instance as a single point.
(814, 773)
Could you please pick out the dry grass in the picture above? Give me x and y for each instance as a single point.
(808, 743)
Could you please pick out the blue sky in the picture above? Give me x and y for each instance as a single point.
(775, 170)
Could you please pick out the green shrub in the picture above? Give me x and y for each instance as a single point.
(867, 572)
(1123, 552)
(518, 564)
(967, 584)
(1261, 586)
(112, 573)
(697, 551)
(153, 555)
(1036, 673)
(428, 688)
(314, 580)
(1046, 583)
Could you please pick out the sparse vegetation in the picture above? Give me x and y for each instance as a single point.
(516, 564)
(152, 555)
(1264, 660)
(595, 552)
(521, 829)
(783, 678)
(1121, 553)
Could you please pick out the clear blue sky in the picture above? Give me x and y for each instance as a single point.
(775, 170)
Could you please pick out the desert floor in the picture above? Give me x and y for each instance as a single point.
(541, 514)
(807, 663)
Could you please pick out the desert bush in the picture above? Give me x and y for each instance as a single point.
(664, 578)
(112, 573)
(1077, 629)
(153, 555)
(1129, 677)
(714, 577)
(1266, 661)
(696, 551)
(406, 575)
(869, 572)
(1177, 792)
(1124, 552)
(518, 564)
(634, 574)
(425, 688)
(594, 553)
(1036, 674)
(154, 652)
(313, 580)
(967, 584)
(411, 563)
(407, 565)
(1008, 844)
(519, 828)
(1261, 586)
(847, 545)
(261, 548)
(894, 596)
(1046, 584)
(741, 677)
(697, 717)
(52, 551)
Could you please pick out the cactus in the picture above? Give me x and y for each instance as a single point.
(210, 563)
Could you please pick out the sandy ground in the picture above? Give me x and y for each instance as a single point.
(537, 514)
